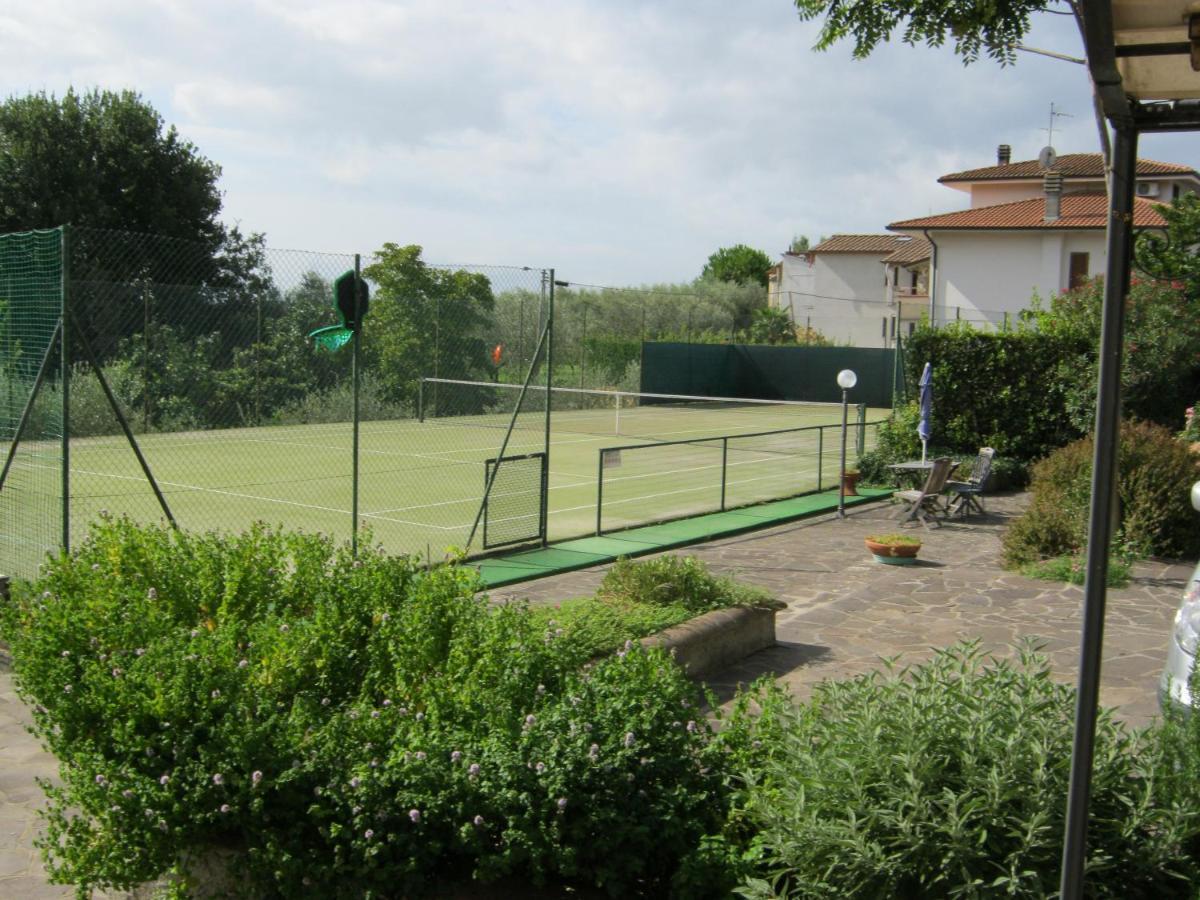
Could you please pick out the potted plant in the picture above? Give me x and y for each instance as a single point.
(849, 480)
(894, 549)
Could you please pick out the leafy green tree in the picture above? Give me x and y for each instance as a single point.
(800, 244)
(771, 326)
(739, 264)
(1175, 256)
(426, 322)
(143, 203)
(975, 26)
(102, 159)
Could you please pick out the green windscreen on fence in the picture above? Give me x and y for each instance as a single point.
(766, 372)
(31, 280)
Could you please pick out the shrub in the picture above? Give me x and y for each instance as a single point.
(670, 580)
(1155, 473)
(948, 779)
(1071, 568)
(350, 725)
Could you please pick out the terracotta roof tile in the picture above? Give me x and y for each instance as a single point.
(1078, 211)
(1071, 165)
(916, 250)
(857, 243)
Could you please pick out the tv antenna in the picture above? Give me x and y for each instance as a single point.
(1054, 114)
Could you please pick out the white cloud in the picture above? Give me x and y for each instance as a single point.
(618, 141)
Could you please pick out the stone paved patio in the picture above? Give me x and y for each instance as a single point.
(844, 612)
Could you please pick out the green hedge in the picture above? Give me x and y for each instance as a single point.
(999, 390)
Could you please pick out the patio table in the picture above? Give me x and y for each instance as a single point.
(915, 471)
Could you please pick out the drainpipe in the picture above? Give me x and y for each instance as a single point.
(932, 275)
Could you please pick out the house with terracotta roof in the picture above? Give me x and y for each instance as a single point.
(1031, 229)
(841, 287)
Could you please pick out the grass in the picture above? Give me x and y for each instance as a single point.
(420, 483)
(1070, 569)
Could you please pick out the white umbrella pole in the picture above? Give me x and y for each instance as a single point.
(922, 451)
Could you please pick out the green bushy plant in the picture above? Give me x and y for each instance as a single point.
(948, 779)
(675, 580)
(1155, 474)
(1071, 568)
(349, 725)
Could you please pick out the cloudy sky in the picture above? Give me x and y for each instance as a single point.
(618, 141)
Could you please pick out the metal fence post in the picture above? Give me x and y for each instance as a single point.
(724, 468)
(860, 442)
(65, 362)
(354, 375)
(600, 494)
(548, 275)
(820, 453)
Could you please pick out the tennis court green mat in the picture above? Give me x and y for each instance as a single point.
(582, 553)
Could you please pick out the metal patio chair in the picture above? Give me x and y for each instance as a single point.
(925, 504)
(968, 495)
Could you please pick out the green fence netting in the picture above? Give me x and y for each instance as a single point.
(31, 279)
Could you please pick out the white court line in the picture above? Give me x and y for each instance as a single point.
(196, 487)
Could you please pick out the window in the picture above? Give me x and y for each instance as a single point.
(1078, 270)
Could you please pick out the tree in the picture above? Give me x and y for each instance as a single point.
(739, 264)
(1174, 256)
(995, 27)
(976, 26)
(800, 244)
(143, 205)
(426, 322)
(103, 160)
(771, 326)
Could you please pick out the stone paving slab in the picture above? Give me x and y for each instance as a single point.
(844, 613)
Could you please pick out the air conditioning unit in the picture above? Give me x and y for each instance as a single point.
(1147, 189)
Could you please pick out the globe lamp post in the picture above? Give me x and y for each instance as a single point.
(846, 379)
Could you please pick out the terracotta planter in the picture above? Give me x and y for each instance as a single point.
(849, 481)
(893, 554)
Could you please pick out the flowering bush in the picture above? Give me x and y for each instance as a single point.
(346, 726)
(1191, 426)
(949, 779)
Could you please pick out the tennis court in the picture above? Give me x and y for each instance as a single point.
(421, 482)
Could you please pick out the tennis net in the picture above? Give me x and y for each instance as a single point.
(626, 413)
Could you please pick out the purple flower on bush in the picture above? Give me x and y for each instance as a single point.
(374, 714)
(477, 821)
(562, 803)
(116, 672)
(67, 688)
(415, 816)
(152, 594)
(473, 769)
(691, 726)
(420, 716)
(218, 778)
(140, 651)
(387, 702)
(529, 720)
(629, 739)
(456, 756)
(164, 780)
(368, 834)
(95, 567)
(324, 701)
(66, 653)
(355, 781)
(284, 627)
(384, 617)
(102, 781)
(594, 751)
(127, 794)
(242, 663)
(421, 754)
(255, 777)
(541, 689)
(403, 710)
(540, 768)
(216, 694)
(224, 807)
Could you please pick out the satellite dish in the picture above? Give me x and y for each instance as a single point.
(1047, 158)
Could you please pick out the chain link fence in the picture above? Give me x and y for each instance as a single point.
(190, 389)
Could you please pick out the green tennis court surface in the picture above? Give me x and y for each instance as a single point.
(421, 483)
(583, 553)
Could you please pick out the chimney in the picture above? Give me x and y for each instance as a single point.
(1053, 188)
(1003, 155)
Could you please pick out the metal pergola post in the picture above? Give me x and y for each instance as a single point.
(1104, 472)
